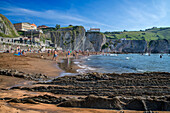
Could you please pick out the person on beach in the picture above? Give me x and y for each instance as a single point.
(42, 56)
(11, 50)
(83, 53)
(88, 54)
(68, 54)
(23, 52)
(55, 55)
(74, 54)
(48, 52)
(17, 48)
(77, 54)
(52, 51)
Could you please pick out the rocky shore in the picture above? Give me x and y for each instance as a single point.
(130, 84)
(153, 103)
(127, 91)
(104, 92)
(20, 74)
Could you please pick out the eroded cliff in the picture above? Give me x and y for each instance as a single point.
(137, 46)
(76, 38)
(159, 46)
(97, 39)
(6, 28)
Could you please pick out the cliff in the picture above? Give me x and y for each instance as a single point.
(70, 38)
(137, 46)
(97, 39)
(6, 28)
(76, 38)
(126, 46)
(159, 46)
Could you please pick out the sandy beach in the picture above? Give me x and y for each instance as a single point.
(30, 64)
(19, 95)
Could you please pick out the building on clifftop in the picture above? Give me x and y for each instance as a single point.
(94, 30)
(42, 26)
(25, 26)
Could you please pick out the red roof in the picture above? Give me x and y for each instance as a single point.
(43, 26)
(33, 25)
(94, 28)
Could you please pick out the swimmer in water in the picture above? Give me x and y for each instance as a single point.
(160, 56)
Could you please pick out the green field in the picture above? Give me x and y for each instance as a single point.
(148, 34)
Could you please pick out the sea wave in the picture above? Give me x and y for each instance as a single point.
(81, 71)
(76, 62)
(139, 70)
(82, 66)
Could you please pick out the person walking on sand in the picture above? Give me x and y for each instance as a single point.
(55, 55)
(48, 52)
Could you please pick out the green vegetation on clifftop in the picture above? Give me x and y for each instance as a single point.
(149, 34)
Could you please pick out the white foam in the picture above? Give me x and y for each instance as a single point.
(76, 62)
(88, 59)
(113, 55)
(64, 74)
(84, 57)
(90, 68)
(139, 70)
(81, 71)
(82, 66)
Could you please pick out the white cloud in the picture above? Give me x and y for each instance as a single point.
(53, 15)
(144, 15)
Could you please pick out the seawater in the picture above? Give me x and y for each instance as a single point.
(125, 63)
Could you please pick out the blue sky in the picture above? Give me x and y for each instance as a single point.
(109, 15)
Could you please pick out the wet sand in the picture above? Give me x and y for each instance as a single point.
(30, 64)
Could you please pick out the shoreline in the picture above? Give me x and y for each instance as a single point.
(81, 65)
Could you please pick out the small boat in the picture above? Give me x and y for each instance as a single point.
(127, 58)
(147, 54)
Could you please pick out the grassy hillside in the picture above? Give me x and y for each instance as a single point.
(149, 34)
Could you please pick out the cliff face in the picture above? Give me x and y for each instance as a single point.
(72, 38)
(159, 46)
(127, 46)
(138, 46)
(132, 46)
(6, 28)
(97, 39)
(76, 38)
